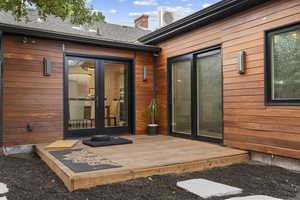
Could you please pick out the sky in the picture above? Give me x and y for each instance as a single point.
(125, 11)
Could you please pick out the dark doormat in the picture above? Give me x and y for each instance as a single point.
(111, 141)
(83, 160)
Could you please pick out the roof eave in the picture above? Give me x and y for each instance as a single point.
(203, 17)
(20, 30)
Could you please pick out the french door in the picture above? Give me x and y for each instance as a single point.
(97, 96)
(195, 95)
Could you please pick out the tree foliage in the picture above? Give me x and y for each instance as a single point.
(76, 10)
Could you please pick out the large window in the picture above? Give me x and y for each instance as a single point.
(181, 97)
(195, 95)
(97, 96)
(209, 95)
(283, 66)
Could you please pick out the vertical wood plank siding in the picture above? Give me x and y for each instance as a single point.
(29, 97)
(248, 123)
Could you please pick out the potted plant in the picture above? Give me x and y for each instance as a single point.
(153, 110)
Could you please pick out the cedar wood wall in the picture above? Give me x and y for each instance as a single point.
(248, 123)
(30, 97)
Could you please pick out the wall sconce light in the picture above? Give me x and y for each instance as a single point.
(241, 62)
(29, 127)
(145, 73)
(25, 40)
(47, 67)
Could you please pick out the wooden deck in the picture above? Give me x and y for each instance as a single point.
(148, 155)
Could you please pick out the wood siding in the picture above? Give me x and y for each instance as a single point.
(248, 123)
(29, 97)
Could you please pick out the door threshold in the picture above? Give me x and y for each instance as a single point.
(199, 138)
(85, 137)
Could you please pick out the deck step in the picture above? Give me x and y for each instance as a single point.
(147, 156)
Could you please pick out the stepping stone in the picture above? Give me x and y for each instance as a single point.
(255, 197)
(3, 189)
(206, 189)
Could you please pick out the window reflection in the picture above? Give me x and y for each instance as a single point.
(81, 80)
(116, 94)
(181, 97)
(285, 65)
(209, 95)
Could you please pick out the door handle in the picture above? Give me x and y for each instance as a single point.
(1, 67)
(97, 101)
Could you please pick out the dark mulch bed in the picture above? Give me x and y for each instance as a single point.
(31, 179)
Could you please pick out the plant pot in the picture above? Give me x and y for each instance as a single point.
(152, 129)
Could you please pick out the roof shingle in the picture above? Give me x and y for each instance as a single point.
(109, 32)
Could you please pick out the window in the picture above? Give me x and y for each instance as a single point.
(181, 97)
(195, 95)
(283, 66)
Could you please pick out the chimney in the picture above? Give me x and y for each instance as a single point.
(142, 22)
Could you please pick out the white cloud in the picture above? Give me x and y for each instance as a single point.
(113, 11)
(88, 2)
(178, 9)
(205, 5)
(134, 14)
(146, 3)
(137, 14)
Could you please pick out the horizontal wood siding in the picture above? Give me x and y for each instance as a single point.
(248, 123)
(29, 97)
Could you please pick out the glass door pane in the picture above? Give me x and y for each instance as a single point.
(115, 94)
(181, 97)
(209, 95)
(81, 82)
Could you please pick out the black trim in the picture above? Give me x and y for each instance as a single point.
(133, 96)
(187, 57)
(268, 68)
(203, 17)
(211, 48)
(1, 91)
(100, 59)
(154, 68)
(200, 138)
(26, 31)
(192, 57)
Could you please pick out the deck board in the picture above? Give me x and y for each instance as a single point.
(148, 155)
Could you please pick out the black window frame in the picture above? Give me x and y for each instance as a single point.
(269, 101)
(127, 130)
(1, 89)
(192, 56)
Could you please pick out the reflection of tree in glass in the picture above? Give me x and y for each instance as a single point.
(286, 65)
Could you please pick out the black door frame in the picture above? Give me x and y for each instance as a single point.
(192, 56)
(99, 75)
(1, 89)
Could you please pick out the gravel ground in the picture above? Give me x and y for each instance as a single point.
(28, 178)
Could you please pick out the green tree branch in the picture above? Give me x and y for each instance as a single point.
(76, 10)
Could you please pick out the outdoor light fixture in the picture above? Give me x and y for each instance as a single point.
(241, 62)
(47, 67)
(29, 127)
(25, 40)
(145, 73)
